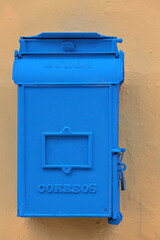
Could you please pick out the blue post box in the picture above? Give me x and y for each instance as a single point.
(69, 161)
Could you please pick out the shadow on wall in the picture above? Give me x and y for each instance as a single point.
(66, 228)
(137, 136)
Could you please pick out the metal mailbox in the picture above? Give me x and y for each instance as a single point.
(69, 162)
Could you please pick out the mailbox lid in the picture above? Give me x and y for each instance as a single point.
(68, 58)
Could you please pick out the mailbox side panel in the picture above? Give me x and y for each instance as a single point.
(64, 174)
(20, 150)
(116, 214)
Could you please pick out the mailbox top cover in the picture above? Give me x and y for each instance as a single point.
(68, 35)
(68, 58)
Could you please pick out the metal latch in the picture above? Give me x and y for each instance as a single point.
(121, 167)
(122, 177)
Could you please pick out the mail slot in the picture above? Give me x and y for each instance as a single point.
(69, 160)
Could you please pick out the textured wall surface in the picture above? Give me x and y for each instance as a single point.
(138, 23)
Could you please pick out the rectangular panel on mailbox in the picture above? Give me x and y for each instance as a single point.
(66, 147)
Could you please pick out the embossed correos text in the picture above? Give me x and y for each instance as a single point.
(67, 188)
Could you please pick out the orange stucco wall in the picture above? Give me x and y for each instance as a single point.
(138, 23)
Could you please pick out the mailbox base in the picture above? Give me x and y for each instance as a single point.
(110, 220)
